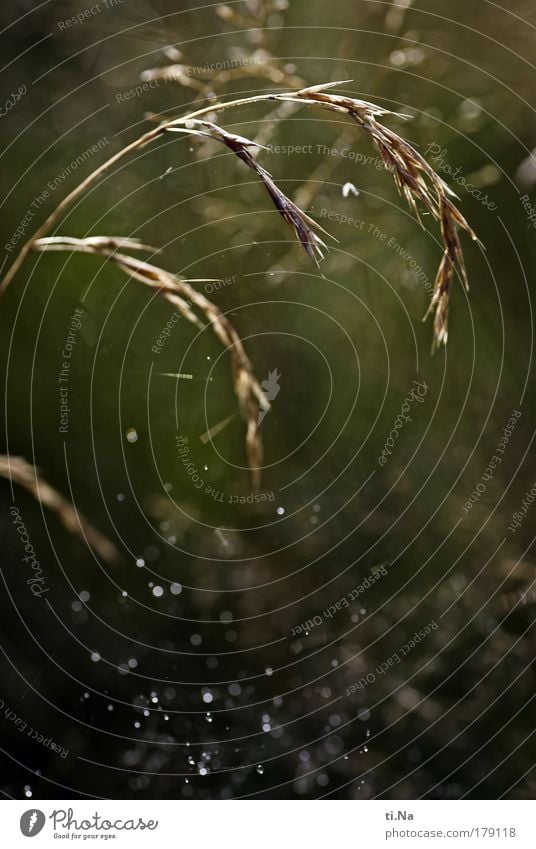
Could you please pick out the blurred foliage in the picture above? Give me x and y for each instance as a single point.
(455, 717)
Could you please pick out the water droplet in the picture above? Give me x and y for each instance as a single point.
(28, 791)
(158, 591)
(132, 435)
(349, 189)
(95, 657)
(260, 769)
(175, 589)
(280, 511)
(208, 698)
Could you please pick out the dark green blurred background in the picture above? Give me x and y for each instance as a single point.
(456, 716)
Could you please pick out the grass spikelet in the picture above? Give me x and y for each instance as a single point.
(416, 180)
(418, 183)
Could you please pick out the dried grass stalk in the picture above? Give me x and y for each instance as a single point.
(415, 178)
(17, 469)
(182, 294)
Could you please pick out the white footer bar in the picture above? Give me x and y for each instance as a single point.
(270, 824)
